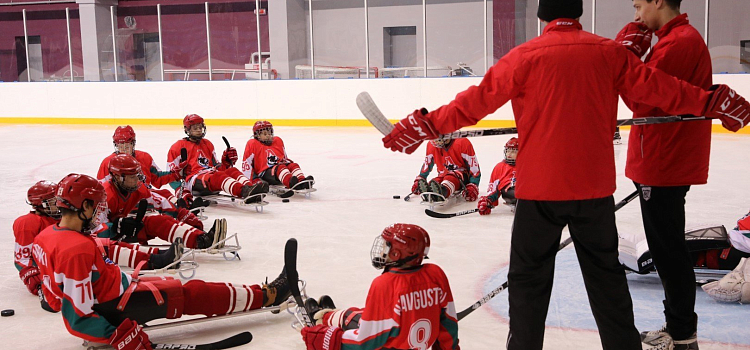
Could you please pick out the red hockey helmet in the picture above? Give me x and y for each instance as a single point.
(41, 196)
(189, 121)
(400, 244)
(74, 189)
(260, 126)
(124, 134)
(511, 150)
(125, 172)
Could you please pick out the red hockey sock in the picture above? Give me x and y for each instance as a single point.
(217, 298)
(296, 171)
(237, 175)
(124, 254)
(452, 182)
(168, 229)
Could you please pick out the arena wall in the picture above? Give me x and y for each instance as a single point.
(285, 102)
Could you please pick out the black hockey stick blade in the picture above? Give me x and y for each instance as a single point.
(183, 154)
(290, 264)
(504, 286)
(226, 141)
(435, 214)
(233, 341)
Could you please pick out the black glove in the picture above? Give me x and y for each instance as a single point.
(126, 227)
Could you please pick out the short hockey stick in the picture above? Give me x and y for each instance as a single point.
(226, 142)
(408, 197)
(504, 286)
(292, 277)
(235, 340)
(371, 111)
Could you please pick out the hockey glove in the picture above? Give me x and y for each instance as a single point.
(728, 106)
(31, 278)
(636, 37)
(126, 227)
(415, 186)
(186, 216)
(130, 336)
(471, 193)
(322, 337)
(484, 205)
(178, 169)
(409, 133)
(229, 157)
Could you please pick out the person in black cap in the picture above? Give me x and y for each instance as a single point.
(566, 82)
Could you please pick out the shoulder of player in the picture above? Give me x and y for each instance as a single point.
(26, 221)
(65, 241)
(143, 157)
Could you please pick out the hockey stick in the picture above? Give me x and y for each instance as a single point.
(435, 214)
(235, 340)
(226, 142)
(292, 277)
(140, 213)
(504, 286)
(370, 110)
(408, 197)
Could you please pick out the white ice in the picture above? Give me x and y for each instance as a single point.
(356, 179)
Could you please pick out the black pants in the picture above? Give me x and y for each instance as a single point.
(537, 230)
(663, 212)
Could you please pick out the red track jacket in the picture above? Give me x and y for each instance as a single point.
(564, 87)
(674, 154)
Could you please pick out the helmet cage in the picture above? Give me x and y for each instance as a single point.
(127, 147)
(441, 143)
(258, 136)
(120, 181)
(193, 137)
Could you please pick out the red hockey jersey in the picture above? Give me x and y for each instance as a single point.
(503, 176)
(25, 229)
(566, 82)
(120, 206)
(407, 309)
(76, 277)
(154, 175)
(459, 156)
(259, 157)
(201, 157)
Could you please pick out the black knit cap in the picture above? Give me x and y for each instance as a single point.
(550, 10)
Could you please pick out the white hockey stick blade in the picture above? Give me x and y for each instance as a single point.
(371, 111)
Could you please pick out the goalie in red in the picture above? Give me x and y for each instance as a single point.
(458, 171)
(100, 303)
(409, 306)
(204, 173)
(265, 158)
(502, 181)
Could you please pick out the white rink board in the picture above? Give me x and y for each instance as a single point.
(356, 179)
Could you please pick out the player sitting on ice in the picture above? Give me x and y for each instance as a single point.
(41, 197)
(100, 303)
(458, 170)
(204, 174)
(125, 190)
(409, 306)
(502, 181)
(124, 142)
(265, 158)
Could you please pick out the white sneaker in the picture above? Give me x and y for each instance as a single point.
(655, 337)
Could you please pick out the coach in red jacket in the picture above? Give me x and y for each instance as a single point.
(562, 83)
(657, 160)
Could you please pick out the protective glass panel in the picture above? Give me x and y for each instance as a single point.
(339, 36)
(455, 38)
(396, 39)
(184, 42)
(514, 22)
(47, 45)
(729, 36)
(234, 40)
(77, 49)
(12, 48)
(138, 44)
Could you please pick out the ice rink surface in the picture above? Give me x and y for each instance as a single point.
(356, 179)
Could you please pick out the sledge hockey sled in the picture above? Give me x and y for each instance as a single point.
(283, 192)
(436, 200)
(186, 263)
(228, 251)
(257, 201)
